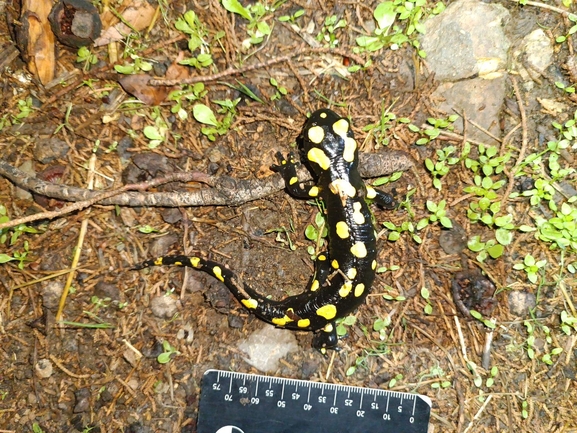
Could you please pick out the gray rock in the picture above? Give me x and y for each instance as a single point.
(467, 40)
(164, 307)
(48, 149)
(520, 303)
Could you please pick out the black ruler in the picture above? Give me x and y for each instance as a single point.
(249, 403)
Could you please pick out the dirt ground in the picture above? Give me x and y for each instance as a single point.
(74, 377)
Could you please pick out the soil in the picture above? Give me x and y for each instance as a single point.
(69, 378)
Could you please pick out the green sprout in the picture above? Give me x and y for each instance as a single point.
(190, 25)
(257, 27)
(206, 116)
(169, 353)
(331, 25)
(85, 56)
(398, 22)
(531, 267)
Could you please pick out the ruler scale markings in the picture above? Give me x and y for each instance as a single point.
(241, 410)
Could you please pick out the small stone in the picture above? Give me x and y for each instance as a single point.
(82, 400)
(43, 369)
(161, 245)
(454, 240)
(521, 303)
(28, 168)
(48, 149)
(266, 346)
(164, 307)
(51, 294)
(106, 290)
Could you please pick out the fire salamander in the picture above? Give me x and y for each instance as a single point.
(344, 274)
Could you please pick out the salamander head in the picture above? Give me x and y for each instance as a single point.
(327, 141)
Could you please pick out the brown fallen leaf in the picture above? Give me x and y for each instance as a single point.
(139, 15)
(137, 85)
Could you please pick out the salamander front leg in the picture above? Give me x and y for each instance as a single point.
(287, 167)
(326, 339)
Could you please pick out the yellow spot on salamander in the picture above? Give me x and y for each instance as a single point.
(359, 289)
(194, 262)
(322, 257)
(315, 286)
(251, 304)
(218, 273)
(314, 191)
(316, 134)
(352, 273)
(341, 127)
(323, 115)
(345, 289)
(293, 180)
(342, 230)
(158, 262)
(281, 321)
(328, 311)
(359, 250)
(343, 188)
(328, 328)
(374, 265)
(335, 264)
(371, 193)
(350, 148)
(358, 216)
(320, 157)
(177, 263)
(304, 323)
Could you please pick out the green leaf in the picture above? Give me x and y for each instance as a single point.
(4, 258)
(446, 222)
(234, 6)
(496, 251)
(164, 357)
(152, 133)
(504, 236)
(385, 15)
(204, 114)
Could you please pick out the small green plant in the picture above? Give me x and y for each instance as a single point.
(438, 214)
(492, 375)
(190, 25)
(560, 230)
(138, 65)
(169, 353)
(396, 231)
(568, 323)
(489, 162)
(206, 116)
(316, 232)
(436, 372)
(255, 14)
(280, 90)
(426, 295)
(441, 167)
(394, 380)
(99, 303)
(186, 93)
(3, 394)
(489, 323)
(343, 323)
(331, 25)
(85, 56)
(147, 229)
(157, 133)
(436, 126)
(572, 30)
(21, 257)
(283, 236)
(292, 18)
(490, 248)
(531, 267)
(25, 108)
(36, 428)
(398, 23)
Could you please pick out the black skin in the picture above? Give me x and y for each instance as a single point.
(344, 274)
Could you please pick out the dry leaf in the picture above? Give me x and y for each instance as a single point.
(139, 16)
